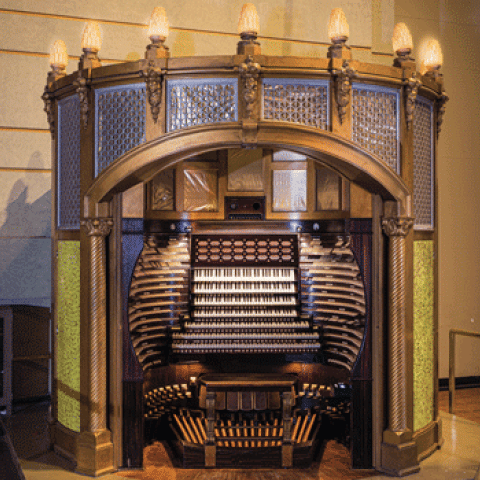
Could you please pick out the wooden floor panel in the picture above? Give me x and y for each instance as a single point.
(331, 464)
(467, 403)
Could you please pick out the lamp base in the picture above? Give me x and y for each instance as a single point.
(339, 50)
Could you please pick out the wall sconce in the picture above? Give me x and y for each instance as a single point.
(158, 31)
(402, 45)
(58, 61)
(433, 59)
(248, 28)
(338, 32)
(91, 44)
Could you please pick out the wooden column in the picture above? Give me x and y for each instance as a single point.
(94, 446)
(399, 451)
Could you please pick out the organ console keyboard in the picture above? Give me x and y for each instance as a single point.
(200, 297)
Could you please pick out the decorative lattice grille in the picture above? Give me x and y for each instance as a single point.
(120, 119)
(297, 101)
(423, 163)
(193, 102)
(68, 194)
(375, 122)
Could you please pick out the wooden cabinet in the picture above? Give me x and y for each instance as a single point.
(25, 352)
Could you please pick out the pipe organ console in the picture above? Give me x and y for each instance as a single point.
(232, 302)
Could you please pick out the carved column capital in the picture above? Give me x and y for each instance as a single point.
(411, 91)
(48, 108)
(442, 100)
(397, 226)
(82, 89)
(97, 227)
(250, 73)
(343, 84)
(153, 78)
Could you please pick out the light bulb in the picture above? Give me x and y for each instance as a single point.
(433, 55)
(338, 29)
(91, 37)
(402, 39)
(159, 26)
(248, 21)
(58, 55)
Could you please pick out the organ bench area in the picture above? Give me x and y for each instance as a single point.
(262, 333)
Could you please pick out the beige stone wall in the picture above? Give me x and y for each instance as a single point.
(457, 26)
(288, 27)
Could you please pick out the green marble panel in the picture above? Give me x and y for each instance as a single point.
(423, 335)
(68, 337)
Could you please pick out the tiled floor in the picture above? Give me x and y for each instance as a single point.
(458, 459)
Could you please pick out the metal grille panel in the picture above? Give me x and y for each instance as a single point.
(297, 101)
(423, 164)
(375, 122)
(69, 163)
(120, 116)
(193, 102)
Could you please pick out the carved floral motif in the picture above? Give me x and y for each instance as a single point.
(97, 226)
(250, 72)
(82, 90)
(48, 109)
(153, 79)
(343, 84)
(411, 91)
(397, 226)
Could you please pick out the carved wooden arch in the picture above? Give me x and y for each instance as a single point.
(142, 163)
(347, 158)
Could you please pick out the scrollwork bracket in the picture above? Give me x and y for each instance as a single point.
(250, 73)
(411, 91)
(343, 85)
(49, 109)
(442, 100)
(82, 89)
(153, 78)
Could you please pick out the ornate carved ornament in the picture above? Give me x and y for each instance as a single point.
(49, 109)
(153, 78)
(397, 226)
(411, 91)
(82, 89)
(97, 227)
(442, 100)
(343, 84)
(250, 72)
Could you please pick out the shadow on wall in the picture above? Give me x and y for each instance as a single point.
(25, 245)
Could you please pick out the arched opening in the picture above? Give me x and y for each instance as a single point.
(145, 162)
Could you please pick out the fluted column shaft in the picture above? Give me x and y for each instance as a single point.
(397, 229)
(97, 229)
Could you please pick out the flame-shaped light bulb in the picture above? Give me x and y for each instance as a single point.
(159, 27)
